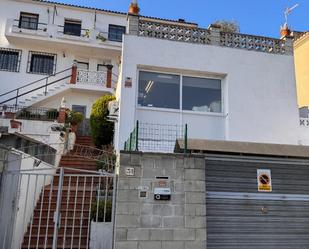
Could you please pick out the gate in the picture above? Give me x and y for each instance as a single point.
(56, 208)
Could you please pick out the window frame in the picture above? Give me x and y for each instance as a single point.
(29, 14)
(72, 21)
(110, 26)
(31, 53)
(19, 51)
(180, 110)
(82, 63)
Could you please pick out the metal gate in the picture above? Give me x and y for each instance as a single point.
(56, 208)
(238, 216)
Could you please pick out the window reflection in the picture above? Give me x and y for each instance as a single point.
(159, 90)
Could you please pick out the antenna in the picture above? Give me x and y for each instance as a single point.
(288, 11)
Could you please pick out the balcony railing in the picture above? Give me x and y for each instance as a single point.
(83, 33)
(210, 36)
(28, 113)
(92, 36)
(35, 27)
(91, 77)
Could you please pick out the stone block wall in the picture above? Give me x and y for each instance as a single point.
(146, 223)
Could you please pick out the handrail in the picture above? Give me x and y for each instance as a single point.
(31, 83)
(38, 88)
(46, 84)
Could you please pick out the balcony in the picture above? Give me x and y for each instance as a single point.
(46, 35)
(40, 30)
(94, 80)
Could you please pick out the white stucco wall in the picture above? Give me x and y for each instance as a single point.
(259, 93)
(66, 50)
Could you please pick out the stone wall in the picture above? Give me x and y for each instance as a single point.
(146, 223)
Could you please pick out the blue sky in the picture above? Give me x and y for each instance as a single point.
(262, 17)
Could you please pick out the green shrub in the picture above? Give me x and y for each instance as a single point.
(74, 118)
(108, 211)
(52, 113)
(102, 130)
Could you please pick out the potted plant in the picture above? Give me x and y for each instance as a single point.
(101, 37)
(52, 114)
(15, 124)
(74, 118)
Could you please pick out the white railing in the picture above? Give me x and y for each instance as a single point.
(212, 36)
(91, 77)
(304, 122)
(250, 42)
(174, 32)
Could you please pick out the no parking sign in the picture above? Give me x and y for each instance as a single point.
(264, 180)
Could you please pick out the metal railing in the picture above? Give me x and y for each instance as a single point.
(77, 33)
(32, 25)
(156, 137)
(42, 83)
(28, 113)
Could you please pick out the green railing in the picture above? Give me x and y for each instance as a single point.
(132, 142)
(156, 137)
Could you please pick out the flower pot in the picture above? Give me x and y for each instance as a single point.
(285, 32)
(15, 124)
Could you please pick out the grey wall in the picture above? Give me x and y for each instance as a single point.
(144, 223)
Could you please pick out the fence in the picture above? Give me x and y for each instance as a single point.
(28, 113)
(156, 137)
(210, 36)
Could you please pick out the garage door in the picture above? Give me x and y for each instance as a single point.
(239, 216)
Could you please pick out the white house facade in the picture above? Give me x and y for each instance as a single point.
(40, 41)
(223, 86)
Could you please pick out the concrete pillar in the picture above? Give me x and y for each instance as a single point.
(62, 115)
(133, 22)
(215, 34)
(74, 74)
(109, 76)
(289, 49)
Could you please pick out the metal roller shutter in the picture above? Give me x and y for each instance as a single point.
(238, 216)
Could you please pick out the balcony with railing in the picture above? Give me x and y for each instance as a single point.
(29, 28)
(64, 34)
(104, 80)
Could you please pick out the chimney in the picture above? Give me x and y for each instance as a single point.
(285, 31)
(134, 9)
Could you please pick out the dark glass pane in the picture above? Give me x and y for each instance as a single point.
(9, 60)
(42, 64)
(115, 32)
(72, 28)
(201, 94)
(159, 90)
(29, 21)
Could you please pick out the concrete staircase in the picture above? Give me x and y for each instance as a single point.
(40, 96)
(78, 193)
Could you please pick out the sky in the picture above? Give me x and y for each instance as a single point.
(262, 17)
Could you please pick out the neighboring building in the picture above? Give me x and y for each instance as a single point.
(41, 40)
(224, 86)
(301, 57)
